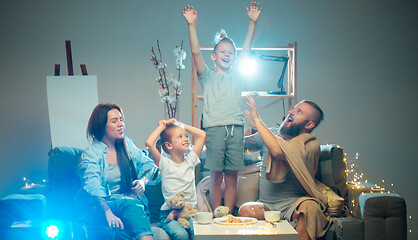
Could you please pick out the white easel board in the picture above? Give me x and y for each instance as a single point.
(71, 100)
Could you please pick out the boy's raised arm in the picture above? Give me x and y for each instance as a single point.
(253, 13)
(191, 15)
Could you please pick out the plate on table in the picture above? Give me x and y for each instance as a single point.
(230, 220)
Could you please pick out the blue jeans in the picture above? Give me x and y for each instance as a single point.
(134, 216)
(174, 228)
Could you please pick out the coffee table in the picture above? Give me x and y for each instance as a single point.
(282, 230)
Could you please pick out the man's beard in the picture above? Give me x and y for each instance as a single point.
(293, 130)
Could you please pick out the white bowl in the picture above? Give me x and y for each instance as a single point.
(272, 216)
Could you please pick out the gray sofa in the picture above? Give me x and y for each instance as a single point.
(368, 213)
(64, 184)
(25, 214)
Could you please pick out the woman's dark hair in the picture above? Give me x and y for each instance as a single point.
(127, 168)
(166, 135)
(96, 130)
(96, 127)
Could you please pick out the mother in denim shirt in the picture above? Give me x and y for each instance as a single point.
(114, 173)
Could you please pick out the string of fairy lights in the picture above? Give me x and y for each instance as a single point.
(356, 179)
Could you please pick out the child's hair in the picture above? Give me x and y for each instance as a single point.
(166, 135)
(221, 36)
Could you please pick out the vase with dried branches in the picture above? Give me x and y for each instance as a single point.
(169, 90)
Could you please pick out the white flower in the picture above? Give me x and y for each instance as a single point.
(179, 64)
(161, 65)
(162, 92)
(176, 84)
(169, 86)
(164, 99)
(171, 99)
(170, 78)
(179, 53)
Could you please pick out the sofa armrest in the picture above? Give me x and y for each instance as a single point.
(383, 214)
(355, 190)
(21, 207)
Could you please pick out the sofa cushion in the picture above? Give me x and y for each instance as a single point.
(247, 190)
(331, 169)
(156, 200)
(63, 162)
(353, 228)
(335, 202)
(250, 158)
(64, 182)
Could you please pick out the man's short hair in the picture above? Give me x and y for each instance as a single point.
(321, 113)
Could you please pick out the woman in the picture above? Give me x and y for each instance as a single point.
(114, 173)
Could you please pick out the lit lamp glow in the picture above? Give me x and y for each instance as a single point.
(52, 231)
(248, 66)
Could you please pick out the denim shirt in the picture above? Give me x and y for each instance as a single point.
(93, 168)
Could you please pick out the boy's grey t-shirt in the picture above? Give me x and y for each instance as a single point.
(222, 98)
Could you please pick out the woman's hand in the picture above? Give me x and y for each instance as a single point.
(112, 220)
(138, 186)
(254, 11)
(189, 14)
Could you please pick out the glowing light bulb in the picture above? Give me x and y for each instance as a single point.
(52, 231)
(248, 66)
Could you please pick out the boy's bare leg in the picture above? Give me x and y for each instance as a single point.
(215, 190)
(230, 194)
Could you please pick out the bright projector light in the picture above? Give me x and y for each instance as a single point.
(52, 231)
(248, 66)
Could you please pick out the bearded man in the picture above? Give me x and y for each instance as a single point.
(287, 177)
